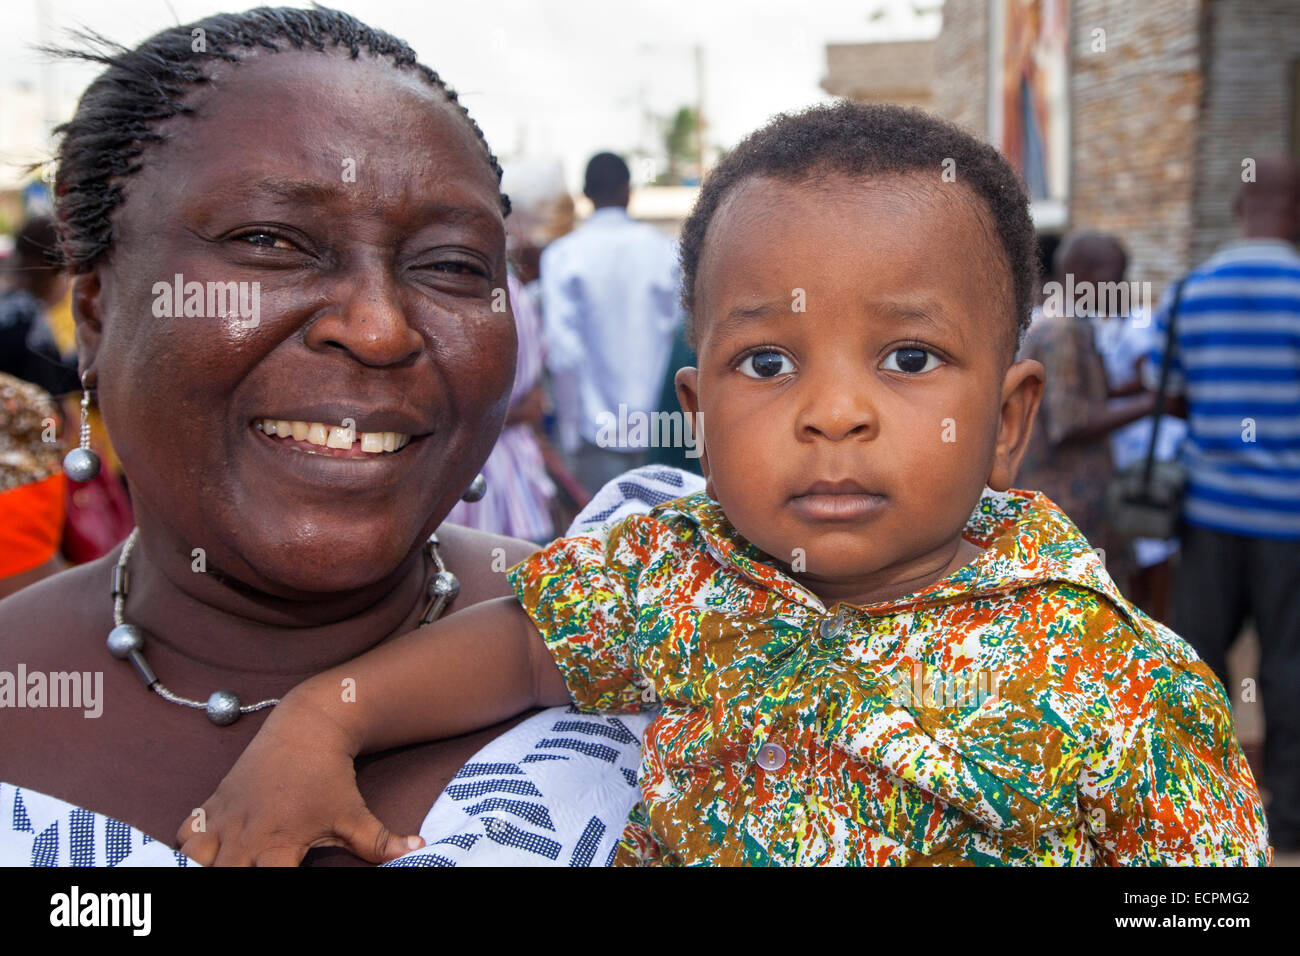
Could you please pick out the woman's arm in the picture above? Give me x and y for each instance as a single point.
(294, 787)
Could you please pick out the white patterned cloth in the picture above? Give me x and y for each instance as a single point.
(553, 791)
(36, 830)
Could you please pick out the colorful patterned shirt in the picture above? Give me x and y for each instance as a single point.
(1018, 711)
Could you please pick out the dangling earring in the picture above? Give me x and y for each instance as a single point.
(476, 490)
(82, 464)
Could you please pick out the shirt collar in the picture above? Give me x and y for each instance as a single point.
(1242, 244)
(608, 213)
(1026, 539)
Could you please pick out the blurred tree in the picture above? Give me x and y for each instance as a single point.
(681, 145)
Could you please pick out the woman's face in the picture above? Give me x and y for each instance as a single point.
(357, 214)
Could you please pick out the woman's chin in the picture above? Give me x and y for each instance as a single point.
(298, 569)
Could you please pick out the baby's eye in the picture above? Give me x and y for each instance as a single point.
(766, 365)
(911, 360)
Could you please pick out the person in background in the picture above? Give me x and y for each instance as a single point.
(1124, 340)
(517, 497)
(1069, 456)
(1236, 360)
(97, 514)
(610, 308)
(33, 285)
(32, 486)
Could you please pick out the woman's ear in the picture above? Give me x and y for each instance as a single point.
(1022, 390)
(687, 381)
(87, 312)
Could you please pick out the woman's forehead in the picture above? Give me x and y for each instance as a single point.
(310, 115)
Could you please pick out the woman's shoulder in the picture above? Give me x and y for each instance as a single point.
(471, 544)
(479, 559)
(44, 618)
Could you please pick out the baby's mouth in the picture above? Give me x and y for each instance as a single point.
(836, 501)
(339, 441)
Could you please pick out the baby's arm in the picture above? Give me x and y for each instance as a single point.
(294, 787)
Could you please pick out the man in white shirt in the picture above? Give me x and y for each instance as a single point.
(610, 302)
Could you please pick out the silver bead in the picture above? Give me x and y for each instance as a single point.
(223, 708)
(124, 639)
(476, 490)
(444, 584)
(81, 464)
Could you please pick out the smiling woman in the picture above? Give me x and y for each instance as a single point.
(286, 473)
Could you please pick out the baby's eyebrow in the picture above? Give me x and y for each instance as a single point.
(926, 313)
(738, 315)
(760, 311)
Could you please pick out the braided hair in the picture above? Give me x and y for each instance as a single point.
(118, 115)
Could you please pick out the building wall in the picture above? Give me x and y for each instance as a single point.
(961, 53)
(1253, 46)
(1135, 114)
(900, 72)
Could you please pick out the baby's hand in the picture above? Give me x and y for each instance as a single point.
(292, 789)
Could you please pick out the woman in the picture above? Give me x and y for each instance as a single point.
(314, 163)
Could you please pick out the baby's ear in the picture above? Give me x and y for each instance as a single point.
(1022, 390)
(687, 381)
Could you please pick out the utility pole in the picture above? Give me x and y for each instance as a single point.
(699, 105)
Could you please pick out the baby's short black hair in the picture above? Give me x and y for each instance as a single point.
(866, 140)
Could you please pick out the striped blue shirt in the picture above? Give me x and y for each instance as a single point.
(1237, 360)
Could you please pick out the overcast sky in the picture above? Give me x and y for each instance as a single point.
(562, 78)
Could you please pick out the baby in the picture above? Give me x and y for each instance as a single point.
(864, 648)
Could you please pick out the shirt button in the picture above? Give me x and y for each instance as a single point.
(771, 757)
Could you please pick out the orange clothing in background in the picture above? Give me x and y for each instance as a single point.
(33, 489)
(31, 524)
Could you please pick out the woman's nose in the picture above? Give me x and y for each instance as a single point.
(368, 321)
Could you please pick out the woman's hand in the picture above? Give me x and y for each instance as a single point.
(292, 789)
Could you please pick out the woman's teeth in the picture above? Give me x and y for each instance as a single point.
(332, 436)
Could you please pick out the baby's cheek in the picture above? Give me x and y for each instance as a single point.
(753, 504)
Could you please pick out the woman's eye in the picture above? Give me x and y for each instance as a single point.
(267, 240)
(766, 365)
(911, 360)
(459, 268)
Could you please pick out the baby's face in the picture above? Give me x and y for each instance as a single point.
(853, 378)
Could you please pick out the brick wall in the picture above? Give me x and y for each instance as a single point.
(1160, 119)
(899, 72)
(1252, 47)
(961, 51)
(1134, 125)
(1134, 117)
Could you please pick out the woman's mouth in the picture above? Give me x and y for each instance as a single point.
(337, 441)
